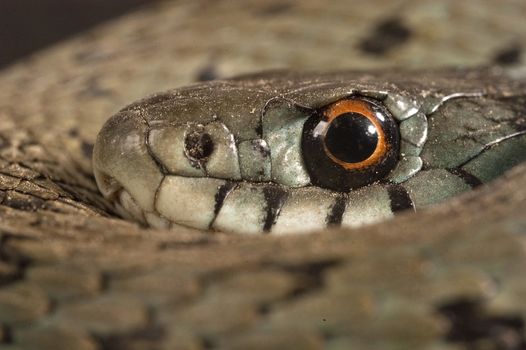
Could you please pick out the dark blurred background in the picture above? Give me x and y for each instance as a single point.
(29, 25)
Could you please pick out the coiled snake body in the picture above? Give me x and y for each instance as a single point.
(73, 275)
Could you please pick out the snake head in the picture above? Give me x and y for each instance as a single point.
(288, 152)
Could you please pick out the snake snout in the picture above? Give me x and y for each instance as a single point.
(121, 159)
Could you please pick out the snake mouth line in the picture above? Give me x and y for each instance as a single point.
(260, 208)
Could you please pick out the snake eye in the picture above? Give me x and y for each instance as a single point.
(350, 143)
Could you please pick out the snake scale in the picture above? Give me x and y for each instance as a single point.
(75, 276)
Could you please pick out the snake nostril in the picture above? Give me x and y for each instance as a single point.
(198, 144)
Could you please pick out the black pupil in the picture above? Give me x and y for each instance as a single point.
(351, 138)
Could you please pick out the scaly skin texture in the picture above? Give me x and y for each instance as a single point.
(475, 120)
(73, 276)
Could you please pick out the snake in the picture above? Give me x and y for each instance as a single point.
(285, 152)
(79, 270)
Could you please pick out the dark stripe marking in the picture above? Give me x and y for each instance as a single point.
(221, 194)
(334, 218)
(275, 197)
(466, 176)
(400, 199)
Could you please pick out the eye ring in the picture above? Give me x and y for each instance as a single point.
(350, 143)
(362, 108)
